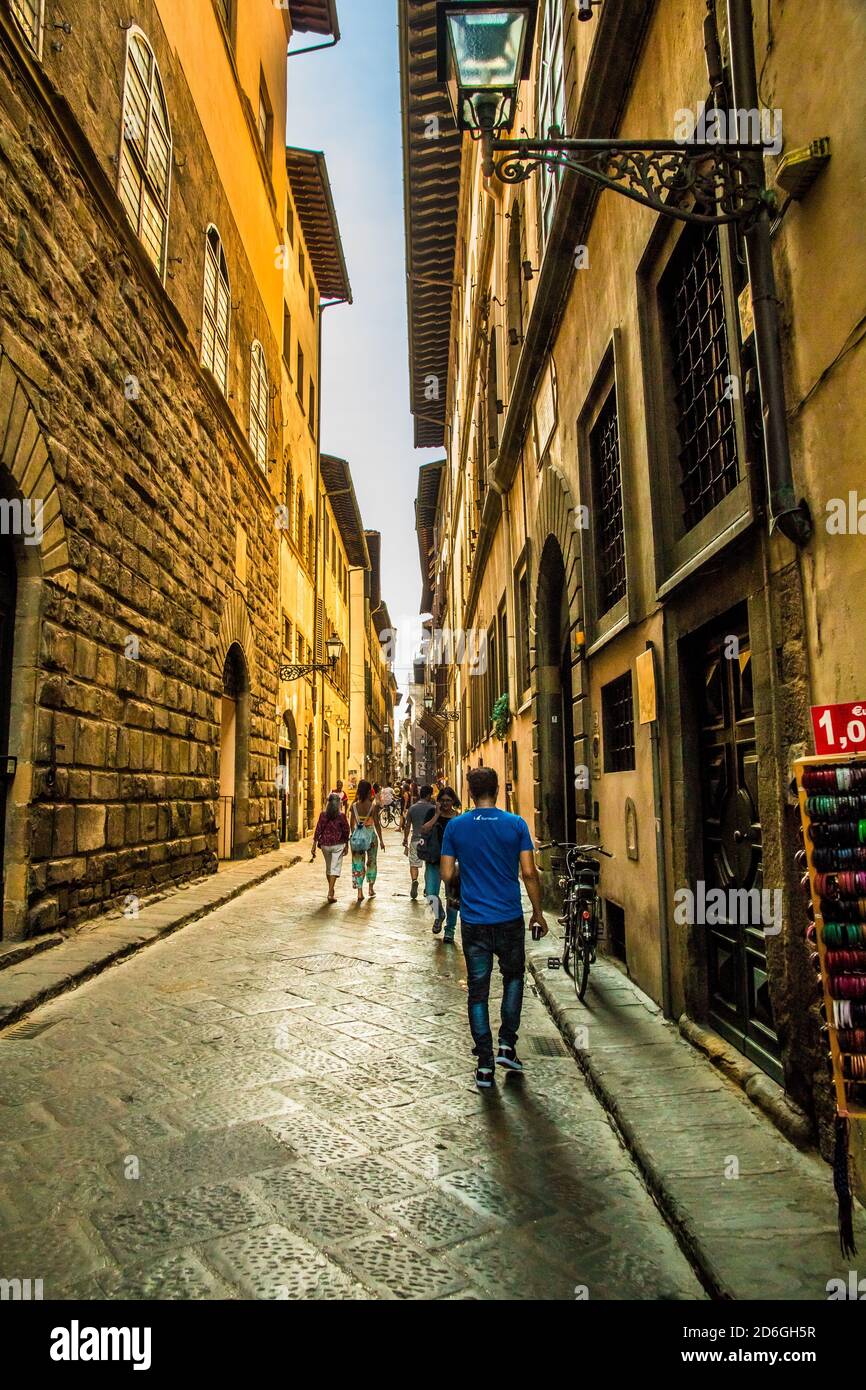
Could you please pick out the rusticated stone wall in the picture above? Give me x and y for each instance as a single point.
(121, 627)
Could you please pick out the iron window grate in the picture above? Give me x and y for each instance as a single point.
(607, 489)
(618, 712)
(693, 290)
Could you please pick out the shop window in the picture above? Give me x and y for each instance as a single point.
(607, 506)
(617, 702)
(693, 305)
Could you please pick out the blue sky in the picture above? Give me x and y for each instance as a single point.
(346, 101)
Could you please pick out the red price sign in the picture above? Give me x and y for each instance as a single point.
(839, 728)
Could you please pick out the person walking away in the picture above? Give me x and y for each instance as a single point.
(430, 850)
(332, 838)
(493, 850)
(365, 840)
(414, 819)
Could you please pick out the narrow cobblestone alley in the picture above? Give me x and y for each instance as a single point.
(277, 1103)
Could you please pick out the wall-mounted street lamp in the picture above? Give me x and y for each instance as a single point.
(334, 648)
(451, 715)
(485, 52)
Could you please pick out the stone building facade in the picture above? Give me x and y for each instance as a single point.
(143, 631)
(567, 538)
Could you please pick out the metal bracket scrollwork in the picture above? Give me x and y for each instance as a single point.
(708, 184)
(296, 673)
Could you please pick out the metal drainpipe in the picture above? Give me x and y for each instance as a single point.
(320, 713)
(790, 517)
(509, 590)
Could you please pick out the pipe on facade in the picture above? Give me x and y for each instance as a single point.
(787, 515)
(502, 494)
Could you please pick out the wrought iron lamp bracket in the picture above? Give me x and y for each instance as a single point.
(296, 673)
(683, 181)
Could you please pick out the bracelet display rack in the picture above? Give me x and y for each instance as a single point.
(832, 795)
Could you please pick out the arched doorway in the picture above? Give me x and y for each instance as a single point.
(311, 776)
(234, 757)
(555, 697)
(289, 784)
(327, 784)
(8, 599)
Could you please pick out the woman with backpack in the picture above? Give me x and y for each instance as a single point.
(430, 850)
(366, 837)
(332, 838)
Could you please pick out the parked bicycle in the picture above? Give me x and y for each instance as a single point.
(581, 917)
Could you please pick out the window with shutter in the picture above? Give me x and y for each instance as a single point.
(216, 317)
(259, 405)
(144, 175)
(30, 15)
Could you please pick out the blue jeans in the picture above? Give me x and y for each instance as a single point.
(432, 886)
(506, 942)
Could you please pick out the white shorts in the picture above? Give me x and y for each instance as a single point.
(334, 856)
(415, 860)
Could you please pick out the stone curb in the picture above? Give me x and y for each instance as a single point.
(683, 1208)
(72, 960)
(788, 1118)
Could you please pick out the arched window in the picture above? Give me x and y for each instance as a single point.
(515, 289)
(217, 310)
(550, 109)
(31, 17)
(259, 405)
(144, 177)
(310, 543)
(493, 404)
(289, 493)
(302, 512)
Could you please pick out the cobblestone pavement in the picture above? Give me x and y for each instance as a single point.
(277, 1102)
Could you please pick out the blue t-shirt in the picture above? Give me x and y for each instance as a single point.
(487, 844)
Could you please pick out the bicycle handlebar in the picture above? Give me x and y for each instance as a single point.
(583, 849)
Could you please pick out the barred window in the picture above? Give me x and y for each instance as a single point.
(550, 106)
(259, 405)
(617, 703)
(287, 337)
(145, 153)
(607, 504)
(694, 306)
(217, 310)
(30, 15)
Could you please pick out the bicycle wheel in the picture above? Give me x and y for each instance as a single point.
(580, 974)
(588, 944)
(569, 943)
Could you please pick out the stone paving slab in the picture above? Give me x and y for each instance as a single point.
(280, 1153)
(740, 1195)
(35, 978)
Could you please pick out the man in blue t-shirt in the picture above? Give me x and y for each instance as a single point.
(494, 849)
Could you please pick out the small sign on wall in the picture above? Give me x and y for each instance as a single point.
(645, 669)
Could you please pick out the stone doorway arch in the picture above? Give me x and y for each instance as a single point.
(290, 781)
(233, 819)
(560, 712)
(35, 554)
(311, 777)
